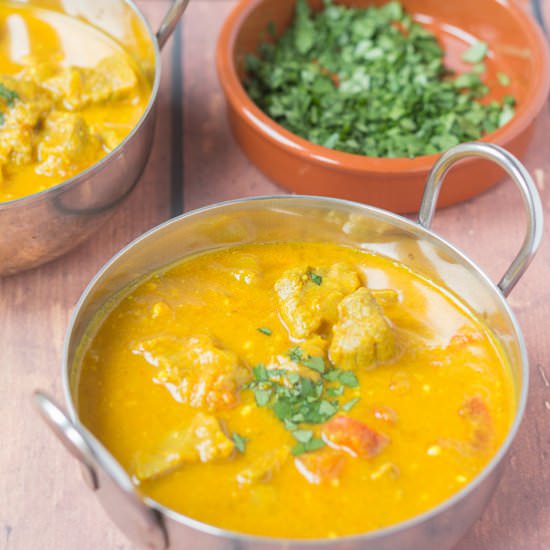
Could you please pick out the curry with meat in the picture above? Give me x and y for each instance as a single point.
(69, 94)
(295, 389)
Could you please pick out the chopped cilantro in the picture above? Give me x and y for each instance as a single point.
(303, 436)
(369, 82)
(349, 379)
(262, 397)
(260, 373)
(8, 95)
(265, 330)
(240, 442)
(312, 445)
(350, 404)
(503, 79)
(2, 119)
(317, 279)
(315, 363)
(475, 53)
(296, 354)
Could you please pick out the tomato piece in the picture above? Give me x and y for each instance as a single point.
(320, 466)
(353, 436)
(476, 412)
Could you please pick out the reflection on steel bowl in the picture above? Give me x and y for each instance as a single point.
(326, 328)
(77, 123)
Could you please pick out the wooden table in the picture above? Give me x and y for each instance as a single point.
(43, 503)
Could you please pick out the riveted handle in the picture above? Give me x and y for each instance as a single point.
(105, 476)
(519, 175)
(170, 21)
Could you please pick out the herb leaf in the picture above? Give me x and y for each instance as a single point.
(8, 95)
(475, 53)
(240, 442)
(312, 445)
(317, 279)
(265, 330)
(350, 404)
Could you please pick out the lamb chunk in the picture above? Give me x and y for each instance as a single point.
(347, 434)
(202, 440)
(265, 467)
(76, 87)
(196, 370)
(309, 297)
(67, 146)
(320, 466)
(362, 334)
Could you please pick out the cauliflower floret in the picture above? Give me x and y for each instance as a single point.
(309, 297)
(362, 334)
(195, 370)
(202, 440)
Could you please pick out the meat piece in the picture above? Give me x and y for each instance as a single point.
(76, 87)
(196, 371)
(320, 466)
(362, 334)
(264, 467)
(309, 297)
(353, 436)
(202, 440)
(67, 146)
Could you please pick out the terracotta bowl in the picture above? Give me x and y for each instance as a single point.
(517, 48)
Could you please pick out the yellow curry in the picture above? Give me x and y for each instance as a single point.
(295, 390)
(69, 94)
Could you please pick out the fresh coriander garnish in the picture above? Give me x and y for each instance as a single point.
(240, 442)
(2, 119)
(296, 354)
(370, 82)
(265, 330)
(475, 53)
(312, 445)
(303, 436)
(503, 79)
(8, 95)
(315, 363)
(349, 379)
(315, 278)
(350, 404)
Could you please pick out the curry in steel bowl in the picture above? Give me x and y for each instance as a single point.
(240, 378)
(69, 94)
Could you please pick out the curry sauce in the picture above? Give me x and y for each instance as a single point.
(295, 390)
(69, 94)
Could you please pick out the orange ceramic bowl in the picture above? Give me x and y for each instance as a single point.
(517, 48)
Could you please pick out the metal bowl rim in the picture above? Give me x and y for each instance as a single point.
(100, 164)
(370, 211)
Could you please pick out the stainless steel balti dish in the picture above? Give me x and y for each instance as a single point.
(42, 226)
(270, 219)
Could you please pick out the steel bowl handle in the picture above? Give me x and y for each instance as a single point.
(519, 175)
(170, 21)
(103, 473)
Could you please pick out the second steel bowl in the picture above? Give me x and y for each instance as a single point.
(40, 227)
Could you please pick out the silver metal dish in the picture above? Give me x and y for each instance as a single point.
(312, 219)
(45, 225)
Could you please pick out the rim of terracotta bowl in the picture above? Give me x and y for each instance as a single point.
(526, 112)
